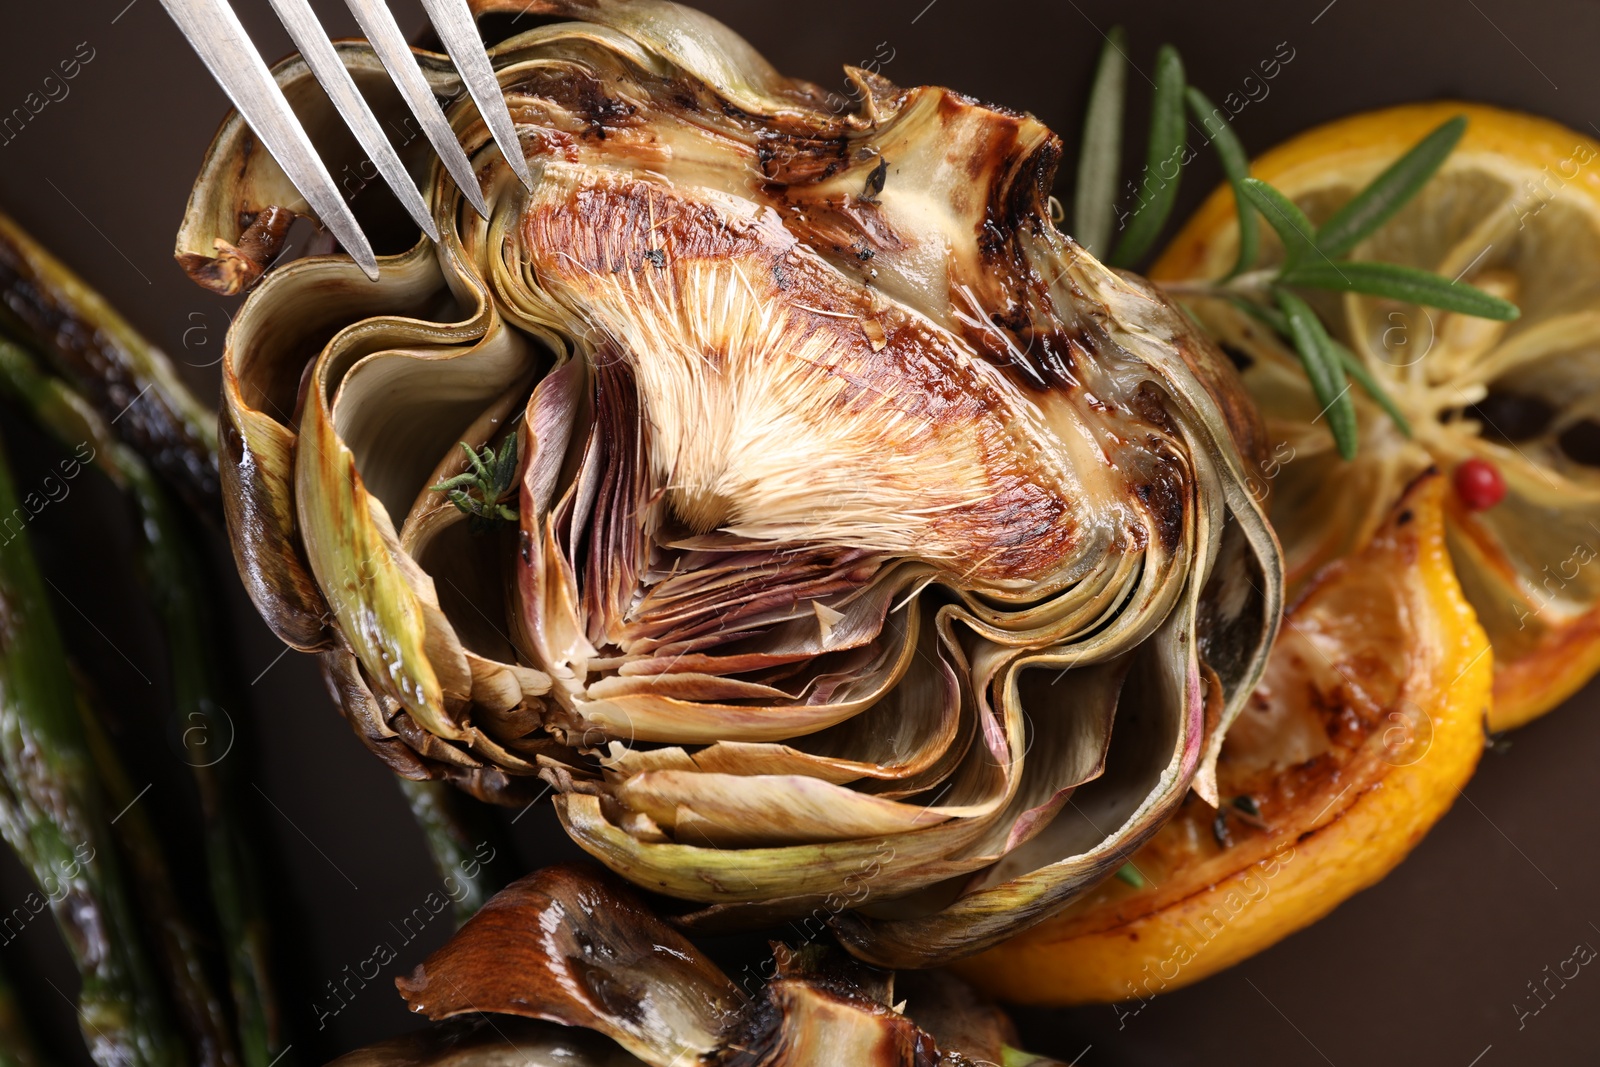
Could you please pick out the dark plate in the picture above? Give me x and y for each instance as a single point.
(1433, 966)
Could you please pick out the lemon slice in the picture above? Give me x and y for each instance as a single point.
(1510, 411)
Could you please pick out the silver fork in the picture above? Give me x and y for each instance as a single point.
(220, 40)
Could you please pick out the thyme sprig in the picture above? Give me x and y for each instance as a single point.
(1314, 257)
(481, 489)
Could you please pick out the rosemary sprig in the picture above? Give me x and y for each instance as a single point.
(1313, 257)
(1294, 229)
(1401, 283)
(1308, 263)
(480, 490)
(1323, 368)
(1164, 150)
(1389, 191)
(1352, 366)
(1310, 254)
(1236, 165)
(1094, 205)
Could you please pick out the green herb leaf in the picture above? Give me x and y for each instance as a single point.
(1373, 388)
(464, 480)
(1269, 315)
(1094, 200)
(505, 471)
(1130, 874)
(478, 492)
(1353, 366)
(1236, 165)
(1323, 368)
(1284, 216)
(1164, 152)
(1401, 283)
(480, 464)
(1389, 191)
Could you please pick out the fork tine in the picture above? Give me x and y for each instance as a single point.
(306, 30)
(453, 21)
(223, 46)
(384, 34)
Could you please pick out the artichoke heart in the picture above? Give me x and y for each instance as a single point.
(874, 555)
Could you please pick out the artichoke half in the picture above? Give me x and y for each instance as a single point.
(877, 554)
(611, 985)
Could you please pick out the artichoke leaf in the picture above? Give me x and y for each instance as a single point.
(1081, 608)
(984, 784)
(238, 215)
(402, 412)
(550, 418)
(1148, 757)
(566, 947)
(808, 1022)
(672, 37)
(268, 349)
(1221, 415)
(804, 877)
(384, 602)
(653, 714)
(909, 741)
(384, 726)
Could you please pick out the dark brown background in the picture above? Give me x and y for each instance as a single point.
(1421, 969)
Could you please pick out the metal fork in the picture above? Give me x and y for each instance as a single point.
(217, 36)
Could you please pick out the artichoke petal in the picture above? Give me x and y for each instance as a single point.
(563, 946)
(273, 338)
(1149, 755)
(238, 216)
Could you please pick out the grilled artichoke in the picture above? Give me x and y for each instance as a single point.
(870, 551)
(614, 986)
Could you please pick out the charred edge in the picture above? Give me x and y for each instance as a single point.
(584, 95)
(755, 1036)
(1150, 405)
(876, 181)
(1162, 497)
(236, 267)
(760, 1038)
(1041, 350)
(797, 159)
